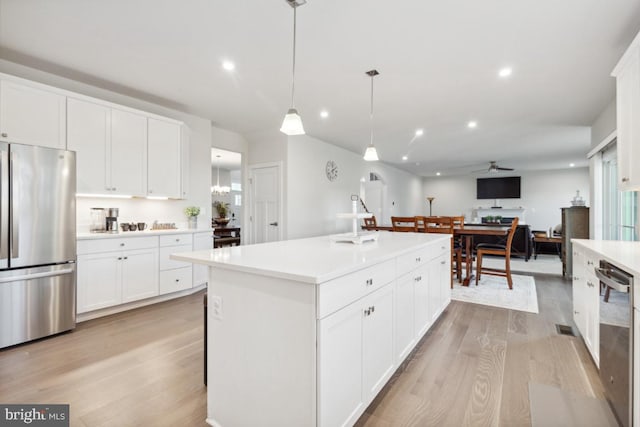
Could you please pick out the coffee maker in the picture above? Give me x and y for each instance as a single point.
(111, 218)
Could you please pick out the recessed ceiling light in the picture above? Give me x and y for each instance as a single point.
(419, 132)
(438, 173)
(472, 124)
(571, 165)
(228, 65)
(324, 114)
(405, 158)
(505, 72)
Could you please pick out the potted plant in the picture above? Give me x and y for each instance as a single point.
(488, 219)
(498, 219)
(223, 212)
(192, 213)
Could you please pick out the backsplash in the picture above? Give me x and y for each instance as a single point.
(140, 210)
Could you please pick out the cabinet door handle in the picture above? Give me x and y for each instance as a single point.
(119, 258)
(367, 312)
(4, 135)
(121, 244)
(369, 282)
(442, 262)
(177, 280)
(575, 312)
(417, 279)
(126, 257)
(418, 259)
(625, 179)
(177, 240)
(372, 308)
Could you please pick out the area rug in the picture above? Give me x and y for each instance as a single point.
(494, 291)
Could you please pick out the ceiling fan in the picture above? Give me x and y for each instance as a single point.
(493, 167)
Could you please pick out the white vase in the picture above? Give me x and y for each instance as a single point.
(193, 222)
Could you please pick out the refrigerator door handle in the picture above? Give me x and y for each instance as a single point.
(36, 275)
(15, 207)
(4, 206)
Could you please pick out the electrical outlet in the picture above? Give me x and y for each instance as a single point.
(215, 304)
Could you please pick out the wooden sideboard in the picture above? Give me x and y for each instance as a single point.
(575, 225)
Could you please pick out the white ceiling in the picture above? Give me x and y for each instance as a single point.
(438, 62)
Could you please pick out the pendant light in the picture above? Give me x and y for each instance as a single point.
(217, 189)
(292, 123)
(371, 155)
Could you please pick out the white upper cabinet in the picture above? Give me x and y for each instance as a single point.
(89, 135)
(164, 153)
(128, 157)
(110, 146)
(627, 74)
(32, 115)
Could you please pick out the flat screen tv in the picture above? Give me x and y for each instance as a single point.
(498, 188)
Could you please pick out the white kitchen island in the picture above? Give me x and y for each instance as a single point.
(307, 332)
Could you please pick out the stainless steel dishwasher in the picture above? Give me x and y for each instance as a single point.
(616, 339)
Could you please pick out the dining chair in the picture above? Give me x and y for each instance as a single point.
(500, 250)
(444, 225)
(404, 223)
(370, 222)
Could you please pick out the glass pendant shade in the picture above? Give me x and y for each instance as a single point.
(371, 155)
(292, 123)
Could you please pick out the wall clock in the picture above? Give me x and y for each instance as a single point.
(331, 170)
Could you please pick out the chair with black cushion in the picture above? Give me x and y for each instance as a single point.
(498, 250)
(404, 223)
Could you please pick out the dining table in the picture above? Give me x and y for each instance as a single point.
(468, 231)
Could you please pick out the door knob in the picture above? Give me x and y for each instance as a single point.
(275, 224)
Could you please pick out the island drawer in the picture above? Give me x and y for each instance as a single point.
(340, 292)
(420, 257)
(94, 246)
(176, 239)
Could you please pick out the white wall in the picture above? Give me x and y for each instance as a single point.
(543, 194)
(314, 201)
(142, 209)
(604, 124)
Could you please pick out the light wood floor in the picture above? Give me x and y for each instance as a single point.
(139, 368)
(144, 367)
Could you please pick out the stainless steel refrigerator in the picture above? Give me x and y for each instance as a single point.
(37, 242)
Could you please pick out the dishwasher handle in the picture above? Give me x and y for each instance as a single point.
(609, 281)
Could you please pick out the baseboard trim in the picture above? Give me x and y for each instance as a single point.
(83, 317)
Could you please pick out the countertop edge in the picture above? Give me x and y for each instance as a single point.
(196, 257)
(590, 245)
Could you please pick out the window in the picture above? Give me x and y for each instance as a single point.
(620, 209)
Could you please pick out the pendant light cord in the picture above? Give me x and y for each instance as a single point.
(293, 71)
(371, 116)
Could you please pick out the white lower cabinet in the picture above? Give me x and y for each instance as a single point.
(405, 336)
(99, 283)
(112, 278)
(377, 341)
(340, 400)
(119, 270)
(355, 348)
(139, 274)
(586, 299)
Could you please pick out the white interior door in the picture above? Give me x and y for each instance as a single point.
(266, 205)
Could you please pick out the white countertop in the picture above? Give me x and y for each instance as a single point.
(121, 234)
(312, 260)
(625, 255)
